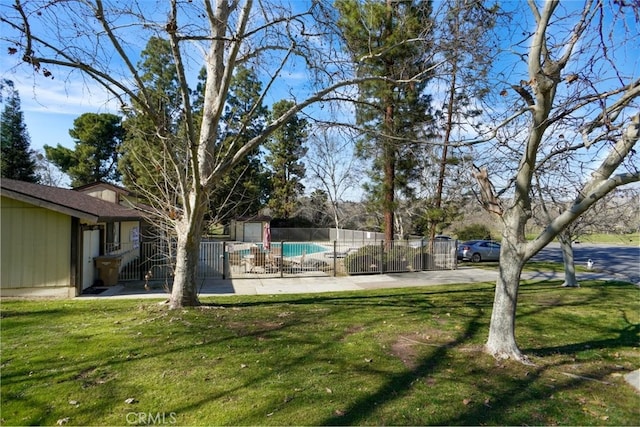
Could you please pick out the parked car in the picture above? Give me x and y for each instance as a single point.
(479, 250)
(442, 238)
(438, 238)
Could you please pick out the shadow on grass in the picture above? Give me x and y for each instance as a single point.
(515, 387)
(506, 392)
(626, 337)
(418, 298)
(398, 385)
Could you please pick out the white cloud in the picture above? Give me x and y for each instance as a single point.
(70, 97)
(50, 106)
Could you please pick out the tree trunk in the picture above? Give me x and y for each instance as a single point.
(189, 234)
(185, 290)
(501, 343)
(389, 183)
(570, 280)
(502, 339)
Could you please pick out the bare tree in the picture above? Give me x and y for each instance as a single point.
(101, 41)
(466, 48)
(619, 204)
(334, 166)
(575, 81)
(48, 172)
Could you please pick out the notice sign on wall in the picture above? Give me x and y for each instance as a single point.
(134, 236)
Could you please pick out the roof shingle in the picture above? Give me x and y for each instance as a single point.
(66, 201)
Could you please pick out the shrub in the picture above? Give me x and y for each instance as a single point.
(372, 259)
(365, 260)
(473, 232)
(422, 260)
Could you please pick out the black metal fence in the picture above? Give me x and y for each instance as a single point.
(220, 260)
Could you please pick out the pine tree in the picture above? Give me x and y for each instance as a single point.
(147, 161)
(17, 158)
(95, 155)
(243, 191)
(466, 48)
(385, 39)
(319, 202)
(285, 151)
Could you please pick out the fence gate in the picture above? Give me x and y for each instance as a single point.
(234, 260)
(159, 258)
(337, 258)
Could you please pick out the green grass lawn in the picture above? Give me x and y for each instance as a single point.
(612, 239)
(530, 266)
(397, 357)
(631, 239)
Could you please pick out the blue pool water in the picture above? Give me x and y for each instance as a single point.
(292, 249)
(297, 249)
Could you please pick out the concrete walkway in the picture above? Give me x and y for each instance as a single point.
(262, 285)
(633, 378)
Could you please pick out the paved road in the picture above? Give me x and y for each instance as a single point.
(619, 260)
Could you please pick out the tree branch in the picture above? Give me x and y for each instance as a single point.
(600, 184)
(610, 114)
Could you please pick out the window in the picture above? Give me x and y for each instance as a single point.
(113, 236)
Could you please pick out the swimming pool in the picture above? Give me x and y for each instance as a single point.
(292, 249)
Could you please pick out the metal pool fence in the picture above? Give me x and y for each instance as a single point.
(227, 260)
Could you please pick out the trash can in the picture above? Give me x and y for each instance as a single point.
(108, 269)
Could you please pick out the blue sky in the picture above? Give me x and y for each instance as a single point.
(51, 106)
(49, 109)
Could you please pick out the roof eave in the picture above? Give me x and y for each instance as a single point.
(49, 205)
(118, 218)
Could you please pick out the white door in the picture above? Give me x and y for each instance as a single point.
(90, 250)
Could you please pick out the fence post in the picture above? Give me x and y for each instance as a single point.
(281, 258)
(335, 257)
(224, 260)
(455, 254)
(382, 256)
(405, 264)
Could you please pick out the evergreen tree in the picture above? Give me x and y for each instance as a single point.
(393, 113)
(244, 188)
(17, 158)
(319, 203)
(285, 151)
(95, 156)
(148, 161)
